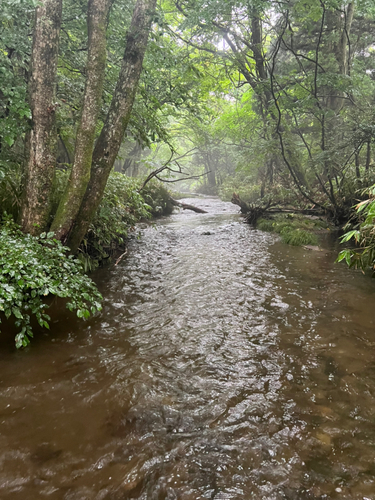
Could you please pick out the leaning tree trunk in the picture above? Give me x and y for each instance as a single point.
(42, 139)
(95, 69)
(111, 136)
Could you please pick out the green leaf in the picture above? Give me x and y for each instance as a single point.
(17, 313)
(9, 140)
(349, 235)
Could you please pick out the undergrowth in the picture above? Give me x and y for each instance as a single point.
(242, 185)
(362, 233)
(294, 230)
(157, 197)
(120, 209)
(34, 268)
(298, 237)
(31, 269)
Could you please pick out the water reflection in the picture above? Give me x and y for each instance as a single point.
(225, 365)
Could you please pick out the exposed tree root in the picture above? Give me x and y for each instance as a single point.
(236, 200)
(253, 212)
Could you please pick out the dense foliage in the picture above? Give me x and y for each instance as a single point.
(34, 268)
(363, 235)
(121, 207)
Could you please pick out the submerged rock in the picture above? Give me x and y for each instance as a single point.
(315, 248)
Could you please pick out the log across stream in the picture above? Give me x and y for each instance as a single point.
(225, 365)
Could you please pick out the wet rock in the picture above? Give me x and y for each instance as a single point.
(314, 248)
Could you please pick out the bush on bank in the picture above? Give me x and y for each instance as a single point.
(158, 198)
(31, 269)
(242, 185)
(362, 233)
(120, 209)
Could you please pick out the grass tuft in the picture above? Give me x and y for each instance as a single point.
(294, 230)
(298, 237)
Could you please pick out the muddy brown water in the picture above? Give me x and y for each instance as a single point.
(225, 365)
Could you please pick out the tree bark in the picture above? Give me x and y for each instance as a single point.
(95, 69)
(210, 167)
(109, 141)
(342, 53)
(42, 138)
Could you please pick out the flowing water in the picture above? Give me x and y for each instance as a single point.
(225, 365)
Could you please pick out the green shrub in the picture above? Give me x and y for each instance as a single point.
(363, 235)
(10, 187)
(31, 269)
(157, 197)
(120, 209)
(266, 225)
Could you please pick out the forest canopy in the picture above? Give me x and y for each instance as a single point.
(259, 96)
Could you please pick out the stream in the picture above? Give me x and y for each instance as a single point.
(224, 365)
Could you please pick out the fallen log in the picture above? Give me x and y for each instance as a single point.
(186, 206)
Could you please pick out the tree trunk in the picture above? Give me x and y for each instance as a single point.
(95, 69)
(357, 171)
(368, 155)
(109, 141)
(131, 158)
(42, 138)
(211, 169)
(341, 52)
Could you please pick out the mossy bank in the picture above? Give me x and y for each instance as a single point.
(295, 229)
